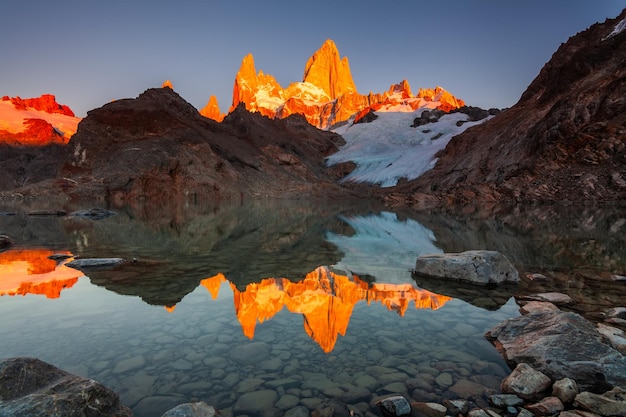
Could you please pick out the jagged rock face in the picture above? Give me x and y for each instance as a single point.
(212, 110)
(565, 140)
(328, 71)
(35, 121)
(158, 145)
(327, 94)
(47, 103)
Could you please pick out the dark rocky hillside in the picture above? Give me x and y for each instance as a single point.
(159, 146)
(565, 140)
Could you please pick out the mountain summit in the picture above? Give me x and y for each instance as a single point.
(327, 94)
(329, 72)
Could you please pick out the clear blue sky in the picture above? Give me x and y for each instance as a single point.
(88, 53)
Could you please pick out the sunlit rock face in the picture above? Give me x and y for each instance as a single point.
(324, 299)
(212, 110)
(327, 94)
(35, 121)
(564, 140)
(33, 272)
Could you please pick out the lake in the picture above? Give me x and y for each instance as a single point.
(264, 308)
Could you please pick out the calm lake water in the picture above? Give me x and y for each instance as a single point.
(269, 308)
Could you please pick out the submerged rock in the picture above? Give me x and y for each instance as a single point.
(31, 387)
(199, 409)
(477, 266)
(93, 213)
(394, 406)
(95, 263)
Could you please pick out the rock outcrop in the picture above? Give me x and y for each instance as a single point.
(565, 139)
(33, 388)
(327, 94)
(544, 341)
(158, 145)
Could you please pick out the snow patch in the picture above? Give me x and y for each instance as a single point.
(12, 119)
(389, 149)
(619, 28)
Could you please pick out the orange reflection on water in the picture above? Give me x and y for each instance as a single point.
(30, 271)
(325, 300)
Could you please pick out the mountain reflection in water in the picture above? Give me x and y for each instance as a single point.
(31, 271)
(325, 300)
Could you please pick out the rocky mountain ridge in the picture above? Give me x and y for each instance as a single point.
(158, 145)
(35, 121)
(327, 94)
(564, 141)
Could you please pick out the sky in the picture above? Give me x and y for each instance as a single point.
(89, 53)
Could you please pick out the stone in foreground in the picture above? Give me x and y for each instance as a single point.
(32, 388)
(561, 345)
(394, 406)
(476, 266)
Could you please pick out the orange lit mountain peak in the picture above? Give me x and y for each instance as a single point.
(212, 110)
(167, 84)
(327, 93)
(328, 71)
(35, 121)
(32, 272)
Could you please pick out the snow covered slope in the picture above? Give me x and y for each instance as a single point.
(388, 148)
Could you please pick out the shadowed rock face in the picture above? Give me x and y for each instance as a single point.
(30, 387)
(158, 145)
(564, 140)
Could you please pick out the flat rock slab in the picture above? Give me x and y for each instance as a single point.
(30, 387)
(476, 266)
(561, 344)
(91, 264)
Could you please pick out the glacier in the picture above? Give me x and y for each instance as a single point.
(388, 148)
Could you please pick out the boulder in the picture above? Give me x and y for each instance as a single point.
(394, 406)
(526, 382)
(612, 403)
(565, 390)
(545, 341)
(476, 266)
(31, 387)
(549, 406)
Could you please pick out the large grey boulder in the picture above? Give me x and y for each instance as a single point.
(561, 344)
(30, 387)
(476, 266)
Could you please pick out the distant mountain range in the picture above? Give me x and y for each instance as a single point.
(326, 95)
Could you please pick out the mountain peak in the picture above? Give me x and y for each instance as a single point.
(328, 71)
(168, 84)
